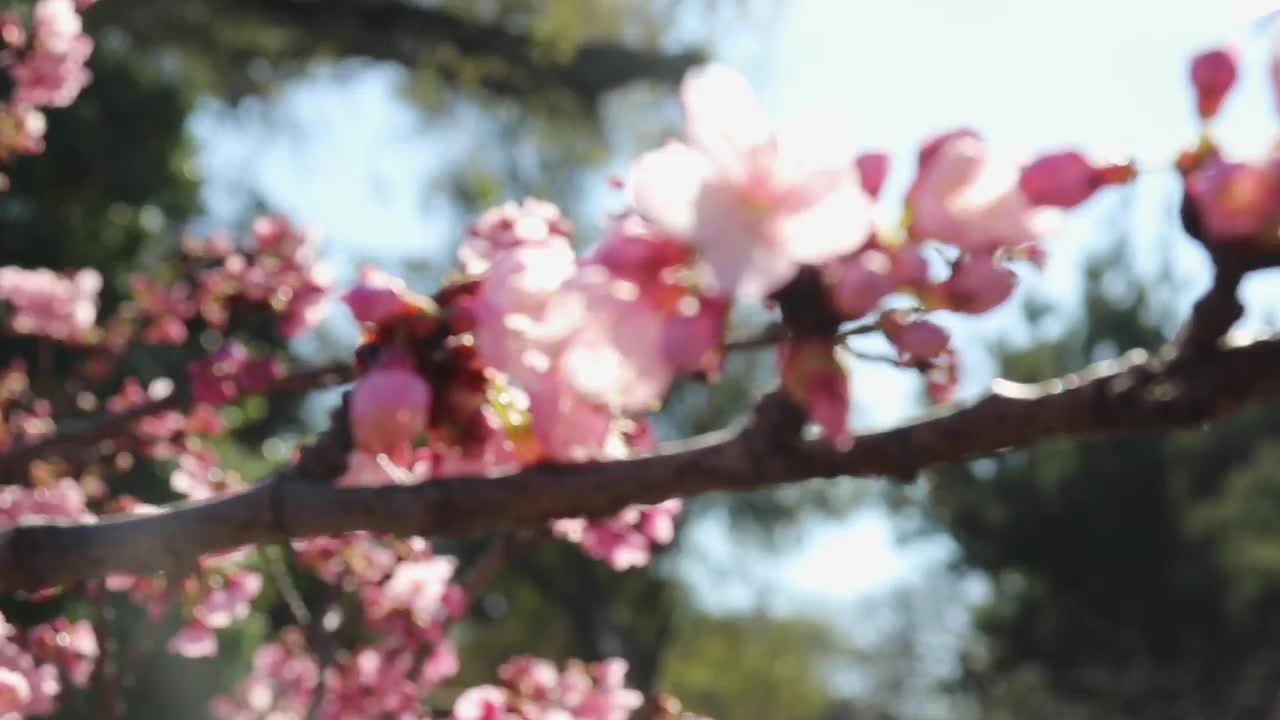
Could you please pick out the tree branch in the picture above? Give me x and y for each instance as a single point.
(498, 59)
(106, 427)
(1134, 392)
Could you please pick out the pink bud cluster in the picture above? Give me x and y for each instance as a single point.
(216, 600)
(1237, 202)
(59, 306)
(59, 500)
(47, 65)
(542, 356)
(535, 689)
(28, 686)
(70, 646)
(407, 597)
(231, 371)
(625, 540)
(281, 272)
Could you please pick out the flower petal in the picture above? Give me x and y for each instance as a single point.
(666, 184)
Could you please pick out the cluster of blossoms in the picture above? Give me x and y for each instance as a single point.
(47, 69)
(276, 269)
(531, 353)
(534, 689)
(1237, 201)
(407, 598)
(58, 306)
(30, 684)
(214, 285)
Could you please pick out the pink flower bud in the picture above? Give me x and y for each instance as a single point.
(1063, 179)
(11, 31)
(1236, 201)
(977, 284)
(814, 379)
(873, 167)
(917, 340)
(863, 281)
(1213, 73)
(389, 408)
(378, 297)
(194, 640)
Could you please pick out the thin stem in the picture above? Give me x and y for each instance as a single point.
(106, 679)
(777, 332)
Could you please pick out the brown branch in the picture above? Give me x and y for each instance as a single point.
(1188, 383)
(1130, 393)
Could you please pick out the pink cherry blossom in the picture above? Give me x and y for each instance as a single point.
(532, 677)
(283, 273)
(483, 702)
(73, 647)
(280, 683)
(625, 540)
(569, 426)
(535, 690)
(52, 72)
(230, 371)
(1213, 72)
(664, 283)
(513, 325)
(22, 131)
(198, 476)
(15, 692)
(964, 196)
(389, 408)
(615, 354)
(509, 225)
(756, 205)
(637, 251)
(62, 307)
(194, 640)
(417, 587)
(230, 602)
(42, 685)
(61, 500)
(1236, 201)
(442, 664)
(363, 557)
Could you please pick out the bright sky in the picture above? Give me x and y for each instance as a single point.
(1108, 76)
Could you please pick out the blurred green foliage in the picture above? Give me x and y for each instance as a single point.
(1133, 577)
